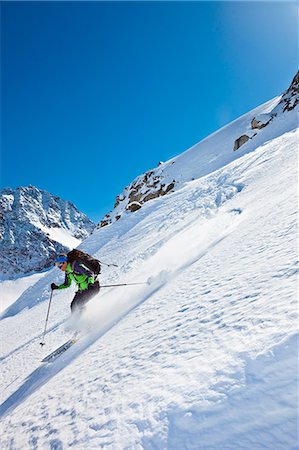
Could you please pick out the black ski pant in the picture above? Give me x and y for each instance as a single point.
(82, 297)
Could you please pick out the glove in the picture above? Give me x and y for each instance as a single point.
(54, 286)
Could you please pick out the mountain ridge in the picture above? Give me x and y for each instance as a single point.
(161, 180)
(34, 226)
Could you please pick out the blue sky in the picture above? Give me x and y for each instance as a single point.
(93, 94)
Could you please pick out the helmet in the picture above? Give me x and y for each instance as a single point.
(60, 260)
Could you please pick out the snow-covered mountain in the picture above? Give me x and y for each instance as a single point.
(170, 176)
(34, 226)
(204, 356)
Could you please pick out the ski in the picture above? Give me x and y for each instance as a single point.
(63, 348)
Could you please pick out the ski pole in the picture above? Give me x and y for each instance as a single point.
(43, 339)
(122, 284)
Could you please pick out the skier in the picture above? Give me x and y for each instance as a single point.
(85, 279)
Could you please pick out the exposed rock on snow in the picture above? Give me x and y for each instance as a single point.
(289, 100)
(34, 226)
(144, 188)
(134, 206)
(261, 121)
(241, 141)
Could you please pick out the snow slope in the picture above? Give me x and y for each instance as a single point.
(11, 290)
(204, 356)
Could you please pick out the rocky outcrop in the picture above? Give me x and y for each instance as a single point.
(240, 141)
(289, 100)
(34, 226)
(261, 121)
(144, 188)
(134, 206)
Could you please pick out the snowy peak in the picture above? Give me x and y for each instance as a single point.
(34, 225)
(249, 131)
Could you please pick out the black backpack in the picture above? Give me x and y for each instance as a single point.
(88, 261)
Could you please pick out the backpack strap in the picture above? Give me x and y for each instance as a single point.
(81, 269)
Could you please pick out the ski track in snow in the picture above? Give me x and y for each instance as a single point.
(204, 357)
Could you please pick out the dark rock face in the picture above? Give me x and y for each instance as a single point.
(290, 98)
(29, 221)
(144, 188)
(134, 206)
(240, 141)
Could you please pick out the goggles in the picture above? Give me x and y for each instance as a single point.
(60, 264)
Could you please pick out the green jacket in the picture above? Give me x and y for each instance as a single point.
(78, 273)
